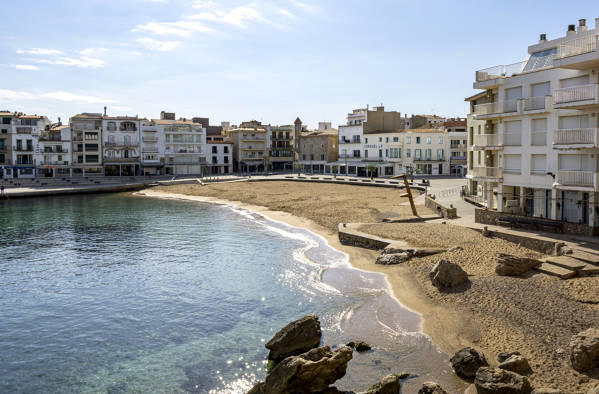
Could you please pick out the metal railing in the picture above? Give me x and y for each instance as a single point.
(502, 71)
(150, 139)
(577, 46)
(533, 103)
(488, 140)
(575, 178)
(575, 136)
(488, 172)
(576, 93)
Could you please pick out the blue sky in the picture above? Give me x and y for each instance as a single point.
(266, 60)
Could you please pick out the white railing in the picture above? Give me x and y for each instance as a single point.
(488, 172)
(575, 178)
(577, 47)
(576, 93)
(488, 140)
(502, 71)
(512, 139)
(575, 136)
(538, 138)
(534, 103)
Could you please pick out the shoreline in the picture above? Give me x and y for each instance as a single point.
(439, 323)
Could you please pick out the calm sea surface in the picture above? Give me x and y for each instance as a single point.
(119, 293)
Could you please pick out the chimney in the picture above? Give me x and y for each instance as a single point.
(571, 30)
(582, 25)
(543, 37)
(596, 23)
(59, 122)
(104, 110)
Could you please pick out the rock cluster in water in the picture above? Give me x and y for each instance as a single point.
(303, 366)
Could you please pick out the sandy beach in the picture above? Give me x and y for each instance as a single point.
(535, 315)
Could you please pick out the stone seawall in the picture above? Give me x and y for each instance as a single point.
(349, 236)
(441, 209)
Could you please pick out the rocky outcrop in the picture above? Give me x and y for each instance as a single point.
(508, 265)
(392, 255)
(467, 361)
(388, 385)
(500, 381)
(502, 356)
(360, 346)
(431, 388)
(515, 363)
(446, 275)
(310, 372)
(295, 338)
(584, 350)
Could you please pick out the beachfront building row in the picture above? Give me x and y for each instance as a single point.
(95, 144)
(533, 131)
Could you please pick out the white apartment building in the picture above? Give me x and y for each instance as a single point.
(121, 142)
(152, 147)
(184, 146)
(26, 154)
(219, 159)
(55, 146)
(86, 144)
(535, 142)
(458, 145)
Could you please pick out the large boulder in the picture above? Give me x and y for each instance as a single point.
(393, 258)
(584, 350)
(516, 363)
(467, 361)
(310, 372)
(295, 338)
(502, 356)
(446, 275)
(508, 265)
(499, 381)
(388, 385)
(431, 388)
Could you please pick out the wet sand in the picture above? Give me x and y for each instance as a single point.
(534, 315)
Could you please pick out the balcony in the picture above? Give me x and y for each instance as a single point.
(488, 142)
(253, 138)
(576, 138)
(577, 97)
(512, 107)
(346, 141)
(150, 139)
(121, 145)
(580, 53)
(495, 76)
(487, 173)
(534, 103)
(149, 149)
(22, 148)
(56, 151)
(54, 163)
(577, 179)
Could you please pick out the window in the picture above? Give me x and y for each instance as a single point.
(214, 159)
(574, 162)
(573, 122)
(386, 152)
(578, 81)
(303, 157)
(428, 140)
(417, 140)
(417, 154)
(226, 149)
(311, 156)
(540, 89)
(380, 153)
(322, 157)
(428, 154)
(91, 158)
(91, 146)
(538, 164)
(356, 153)
(214, 149)
(440, 154)
(6, 120)
(408, 153)
(366, 153)
(408, 140)
(366, 139)
(395, 139)
(539, 132)
(226, 159)
(513, 135)
(380, 139)
(512, 164)
(386, 139)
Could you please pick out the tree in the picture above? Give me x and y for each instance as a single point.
(335, 168)
(371, 168)
(298, 167)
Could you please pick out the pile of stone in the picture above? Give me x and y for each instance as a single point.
(392, 255)
(303, 366)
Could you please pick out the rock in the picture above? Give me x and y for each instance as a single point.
(446, 274)
(497, 380)
(508, 265)
(467, 361)
(594, 390)
(310, 372)
(295, 338)
(388, 385)
(516, 363)
(546, 390)
(486, 232)
(394, 258)
(362, 346)
(502, 356)
(431, 388)
(455, 249)
(584, 350)
(404, 375)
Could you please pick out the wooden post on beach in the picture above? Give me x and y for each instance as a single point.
(408, 192)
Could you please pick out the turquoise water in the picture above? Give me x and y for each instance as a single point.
(120, 293)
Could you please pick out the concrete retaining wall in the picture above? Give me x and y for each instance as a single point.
(351, 237)
(442, 210)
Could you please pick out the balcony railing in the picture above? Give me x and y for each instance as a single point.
(488, 140)
(577, 46)
(488, 172)
(575, 178)
(150, 139)
(22, 148)
(496, 107)
(534, 103)
(575, 136)
(576, 93)
(502, 71)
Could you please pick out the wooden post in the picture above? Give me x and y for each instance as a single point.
(408, 192)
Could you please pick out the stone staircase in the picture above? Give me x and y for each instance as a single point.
(579, 263)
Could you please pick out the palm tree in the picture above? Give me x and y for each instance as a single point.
(371, 168)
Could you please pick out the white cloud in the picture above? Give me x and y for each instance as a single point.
(82, 62)
(286, 13)
(27, 67)
(304, 6)
(179, 28)
(204, 4)
(66, 96)
(93, 51)
(156, 45)
(40, 51)
(11, 95)
(237, 16)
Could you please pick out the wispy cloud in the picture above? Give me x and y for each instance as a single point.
(304, 6)
(237, 16)
(87, 58)
(13, 95)
(40, 51)
(156, 45)
(181, 28)
(27, 67)
(83, 62)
